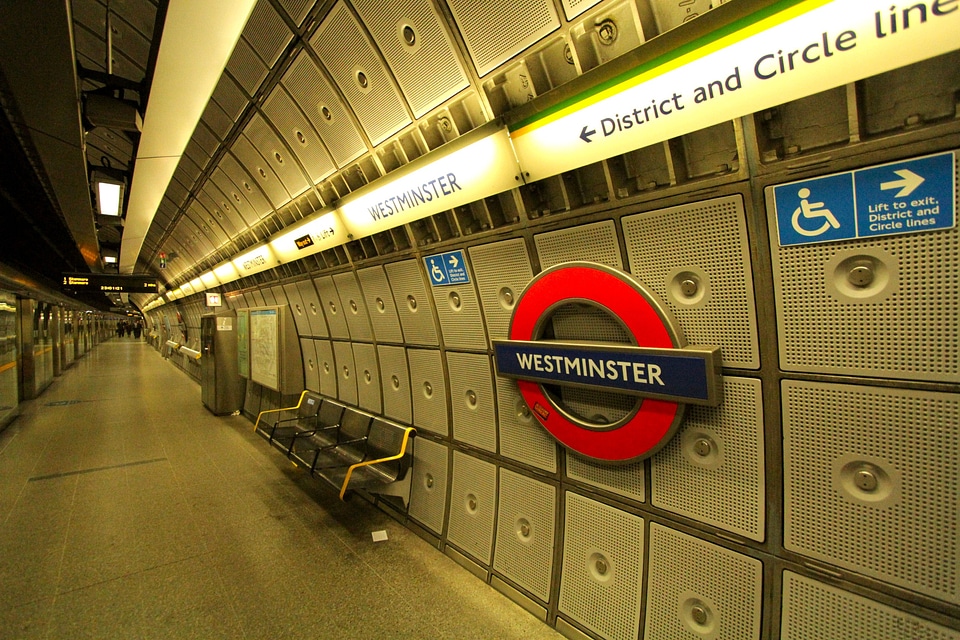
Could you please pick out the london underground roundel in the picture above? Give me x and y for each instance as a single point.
(657, 367)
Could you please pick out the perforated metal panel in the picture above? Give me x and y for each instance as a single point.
(471, 396)
(332, 308)
(296, 9)
(812, 610)
(413, 305)
(496, 31)
(502, 270)
(246, 67)
(299, 135)
(229, 97)
(429, 391)
(460, 321)
(870, 482)
(244, 193)
(319, 101)
(263, 174)
(521, 436)
(277, 155)
(591, 242)
(602, 568)
(327, 368)
(903, 324)
(354, 308)
(573, 8)
(697, 589)
(428, 486)
(361, 76)
(397, 403)
(623, 479)
(311, 366)
(266, 32)
(346, 372)
(312, 308)
(525, 532)
(368, 377)
(297, 309)
(379, 301)
(713, 468)
(473, 501)
(427, 69)
(704, 243)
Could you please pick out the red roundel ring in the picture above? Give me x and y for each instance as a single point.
(654, 422)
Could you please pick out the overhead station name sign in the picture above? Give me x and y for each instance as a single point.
(789, 50)
(478, 164)
(108, 283)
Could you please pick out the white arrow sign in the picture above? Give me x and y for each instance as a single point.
(907, 184)
(454, 262)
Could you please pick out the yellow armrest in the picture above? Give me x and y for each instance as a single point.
(403, 449)
(260, 415)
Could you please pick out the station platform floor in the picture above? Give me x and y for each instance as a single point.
(127, 510)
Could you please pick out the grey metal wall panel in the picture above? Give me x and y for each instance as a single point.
(522, 438)
(626, 480)
(246, 67)
(297, 309)
(428, 387)
(713, 469)
(473, 503)
(472, 399)
(870, 459)
(313, 308)
(381, 305)
(261, 170)
(696, 589)
(250, 189)
(311, 365)
(602, 570)
(266, 32)
(458, 310)
(526, 532)
(397, 400)
(368, 377)
(502, 270)
(413, 304)
(332, 308)
(277, 154)
(704, 243)
(354, 307)
(428, 487)
(596, 242)
(326, 368)
(346, 372)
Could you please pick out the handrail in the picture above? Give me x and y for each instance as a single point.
(257, 423)
(193, 353)
(403, 449)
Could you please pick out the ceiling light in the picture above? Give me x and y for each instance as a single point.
(109, 193)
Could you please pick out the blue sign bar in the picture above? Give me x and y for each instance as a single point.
(688, 375)
(900, 197)
(447, 268)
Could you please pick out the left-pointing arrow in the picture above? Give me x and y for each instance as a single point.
(585, 134)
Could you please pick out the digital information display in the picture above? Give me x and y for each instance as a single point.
(108, 283)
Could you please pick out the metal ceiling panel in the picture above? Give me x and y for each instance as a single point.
(317, 98)
(297, 9)
(261, 171)
(190, 169)
(298, 134)
(246, 67)
(573, 8)
(217, 120)
(230, 166)
(205, 138)
(278, 155)
(177, 192)
(206, 224)
(267, 33)
(231, 200)
(361, 76)
(230, 98)
(495, 31)
(115, 146)
(196, 153)
(192, 236)
(418, 49)
(209, 201)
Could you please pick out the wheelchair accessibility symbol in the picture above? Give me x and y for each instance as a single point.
(812, 211)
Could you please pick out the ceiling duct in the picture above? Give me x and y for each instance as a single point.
(113, 113)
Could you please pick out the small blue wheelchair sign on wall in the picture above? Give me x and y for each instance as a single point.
(899, 197)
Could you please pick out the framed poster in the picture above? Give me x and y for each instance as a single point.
(243, 342)
(264, 347)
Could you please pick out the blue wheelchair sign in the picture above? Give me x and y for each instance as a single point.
(817, 210)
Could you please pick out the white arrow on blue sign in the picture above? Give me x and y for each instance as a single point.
(899, 197)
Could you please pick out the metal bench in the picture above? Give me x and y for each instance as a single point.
(282, 431)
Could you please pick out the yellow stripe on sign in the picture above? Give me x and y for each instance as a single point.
(671, 62)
